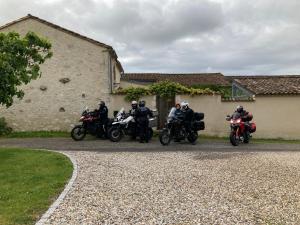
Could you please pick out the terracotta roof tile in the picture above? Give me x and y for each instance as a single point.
(183, 78)
(270, 85)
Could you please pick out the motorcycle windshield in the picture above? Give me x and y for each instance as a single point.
(236, 115)
(120, 112)
(172, 112)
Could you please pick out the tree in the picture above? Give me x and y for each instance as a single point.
(20, 60)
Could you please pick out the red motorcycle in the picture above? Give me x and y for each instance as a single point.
(241, 128)
(90, 125)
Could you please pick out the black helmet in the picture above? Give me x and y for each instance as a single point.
(142, 103)
(239, 109)
(102, 103)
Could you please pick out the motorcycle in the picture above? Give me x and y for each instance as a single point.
(174, 128)
(90, 125)
(241, 128)
(124, 124)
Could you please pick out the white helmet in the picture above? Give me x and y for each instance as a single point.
(184, 103)
(134, 103)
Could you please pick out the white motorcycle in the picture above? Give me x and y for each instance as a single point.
(125, 124)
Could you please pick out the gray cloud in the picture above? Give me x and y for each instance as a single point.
(229, 36)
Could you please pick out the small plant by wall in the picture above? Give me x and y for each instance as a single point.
(133, 93)
(4, 128)
(162, 89)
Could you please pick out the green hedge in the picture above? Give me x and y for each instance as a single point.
(163, 89)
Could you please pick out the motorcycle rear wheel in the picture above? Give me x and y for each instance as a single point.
(164, 137)
(78, 133)
(233, 140)
(115, 134)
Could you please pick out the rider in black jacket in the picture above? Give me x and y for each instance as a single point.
(245, 116)
(103, 114)
(142, 115)
(178, 112)
(188, 116)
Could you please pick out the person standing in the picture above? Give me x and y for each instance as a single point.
(103, 115)
(133, 125)
(142, 117)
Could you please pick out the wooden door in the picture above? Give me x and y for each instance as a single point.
(164, 104)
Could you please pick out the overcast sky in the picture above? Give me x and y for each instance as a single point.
(229, 36)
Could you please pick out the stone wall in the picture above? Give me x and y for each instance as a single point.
(76, 76)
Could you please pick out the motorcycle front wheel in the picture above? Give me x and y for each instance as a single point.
(234, 140)
(164, 137)
(115, 134)
(78, 133)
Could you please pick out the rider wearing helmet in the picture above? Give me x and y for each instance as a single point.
(103, 114)
(142, 114)
(188, 116)
(134, 106)
(244, 114)
(133, 125)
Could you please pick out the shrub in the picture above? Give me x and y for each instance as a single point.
(134, 93)
(162, 89)
(168, 89)
(4, 128)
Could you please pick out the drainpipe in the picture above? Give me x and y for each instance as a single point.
(110, 73)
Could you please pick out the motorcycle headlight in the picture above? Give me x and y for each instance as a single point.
(235, 121)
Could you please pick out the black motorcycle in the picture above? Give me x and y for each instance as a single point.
(90, 125)
(175, 130)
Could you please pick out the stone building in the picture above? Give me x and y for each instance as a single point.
(81, 72)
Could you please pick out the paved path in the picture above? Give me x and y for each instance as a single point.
(209, 183)
(99, 145)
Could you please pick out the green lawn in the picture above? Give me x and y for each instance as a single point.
(30, 180)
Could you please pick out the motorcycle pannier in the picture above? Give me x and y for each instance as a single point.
(199, 125)
(199, 116)
(249, 117)
(252, 127)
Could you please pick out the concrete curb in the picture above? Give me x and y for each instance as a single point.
(61, 197)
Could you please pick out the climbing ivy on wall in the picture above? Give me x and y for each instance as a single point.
(163, 89)
(134, 93)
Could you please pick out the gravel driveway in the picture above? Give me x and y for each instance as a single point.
(210, 183)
